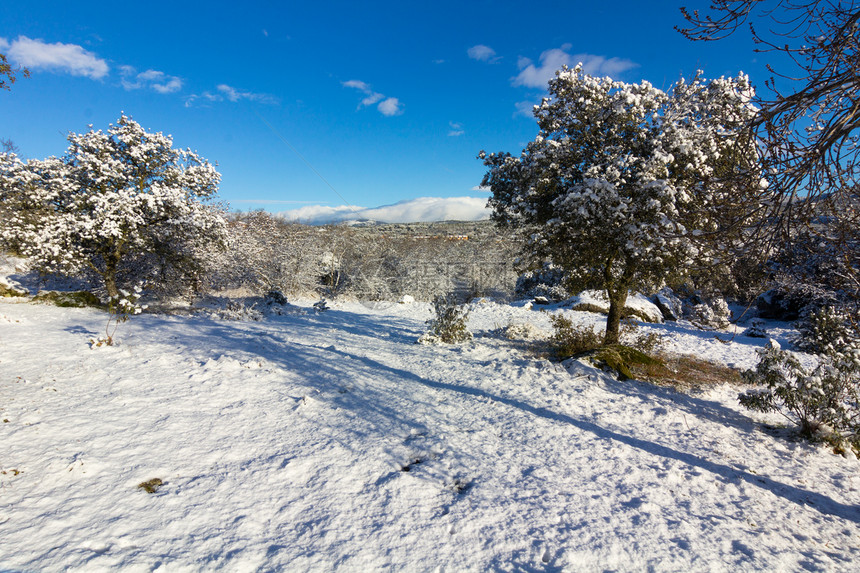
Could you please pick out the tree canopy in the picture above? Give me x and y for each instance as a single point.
(626, 185)
(122, 203)
(810, 116)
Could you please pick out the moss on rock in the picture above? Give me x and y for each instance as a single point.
(10, 291)
(620, 359)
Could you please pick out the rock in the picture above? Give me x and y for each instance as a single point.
(637, 305)
(669, 304)
(777, 306)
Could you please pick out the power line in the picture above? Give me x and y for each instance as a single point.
(311, 167)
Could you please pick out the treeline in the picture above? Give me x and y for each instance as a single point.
(373, 262)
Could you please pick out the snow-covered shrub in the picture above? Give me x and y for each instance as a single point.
(568, 340)
(710, 314)
(547, 282)
(449, 324)
(756, 329)
(321, 305)
(644, 341)
(822, 399)
(521, 331)
(237, 310)
(825, 331)
(780, 303)
(275, 297)
(120, 309)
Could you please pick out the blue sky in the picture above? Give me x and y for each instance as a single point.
(387, 101)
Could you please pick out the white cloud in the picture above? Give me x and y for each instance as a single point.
(233, 94)
(229, 93)
(357, 84)
(387, 105)
(153, 79)
(423, 209)
(69, 58)
(552, 60)
(372, 99)
(456, 129)
(482, 53)
(481, 188)
(4, 44)
(390, 106)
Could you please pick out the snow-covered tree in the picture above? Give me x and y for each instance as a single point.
(122, 203)
(625, 185)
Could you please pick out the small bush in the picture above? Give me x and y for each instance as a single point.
(756, 330)
(521, 331)
(547, 281)
(825, 399)
(646, 342)
(449, 325)
(120, 309)
(236, 310)
(824, 331)
(568, 340)
(150, 486)
(76, 299)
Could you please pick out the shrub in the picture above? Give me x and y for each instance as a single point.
(547, 282)
(824, 331)
(757, 329)
(826, 398)
(449, 325)
(569, 340)
(647, 342)
(237, 310)
(75, 299)
(120, 309)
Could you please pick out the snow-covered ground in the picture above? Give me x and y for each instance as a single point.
(331, 441)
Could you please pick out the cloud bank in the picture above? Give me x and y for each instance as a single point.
(68, 58)
(421, 210)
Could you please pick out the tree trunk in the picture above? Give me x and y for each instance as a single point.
(617, 299)
(109, 275)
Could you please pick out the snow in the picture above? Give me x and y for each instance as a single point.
(322, 441)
